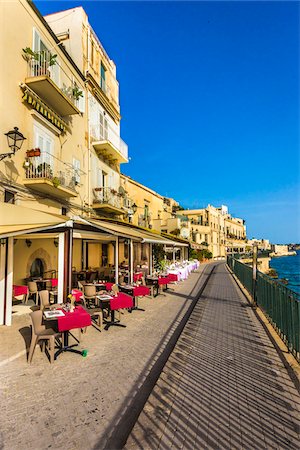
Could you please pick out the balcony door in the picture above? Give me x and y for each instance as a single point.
(43, 140)
(43, 64)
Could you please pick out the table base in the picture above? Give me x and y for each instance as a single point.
(68, 348)
(113, 322)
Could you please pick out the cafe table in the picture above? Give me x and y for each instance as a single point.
(20, 292)
(114, 303)
(135, 291)
(67, 321)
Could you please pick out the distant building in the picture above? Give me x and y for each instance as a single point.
(216, 229)
(262, 244)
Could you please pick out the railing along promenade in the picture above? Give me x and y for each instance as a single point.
(280, 304)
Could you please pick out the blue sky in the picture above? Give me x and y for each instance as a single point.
(209, 96)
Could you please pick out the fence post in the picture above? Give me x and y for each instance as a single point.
(254, 276)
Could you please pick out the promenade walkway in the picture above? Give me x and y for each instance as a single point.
(224, 385)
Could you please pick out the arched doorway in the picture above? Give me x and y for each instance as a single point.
(37, 268)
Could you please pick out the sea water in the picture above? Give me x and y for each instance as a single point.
(288, 267)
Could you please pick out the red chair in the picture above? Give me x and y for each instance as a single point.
(121, 301)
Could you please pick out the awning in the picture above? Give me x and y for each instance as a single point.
(116, 229)
(133, 233)
(15, 220)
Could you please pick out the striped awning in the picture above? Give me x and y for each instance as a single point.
(36, 103)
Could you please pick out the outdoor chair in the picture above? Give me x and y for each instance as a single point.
(33, 290)
(40, 333)
(45, 300)
(115, 289)
(96, 316)
(80, 285)
(89, 293)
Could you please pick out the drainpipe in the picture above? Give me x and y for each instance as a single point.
(88, 127)
(117, 260)
(131, 261)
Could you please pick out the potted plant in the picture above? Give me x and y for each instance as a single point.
(44, 169)
(27, 164)
(43, 60)
(37, 152)
(76, 92)
(56, 182)
(30, 153)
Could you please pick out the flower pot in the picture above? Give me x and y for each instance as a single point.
(37, 152)
(30, 153)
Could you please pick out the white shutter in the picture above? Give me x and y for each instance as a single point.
(76, 167)
(81, 103)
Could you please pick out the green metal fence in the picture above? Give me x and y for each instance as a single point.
(279, 304)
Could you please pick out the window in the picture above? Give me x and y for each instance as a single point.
(63, 211)
(45, 142)
(9, 197)
(103, 127)
(76, 168)
(103, 78)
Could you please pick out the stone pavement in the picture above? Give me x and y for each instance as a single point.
(75, 402)
(224, 385)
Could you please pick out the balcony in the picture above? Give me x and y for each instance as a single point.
(52, 84)
(108, 200)
(108, 144)
(55, 177)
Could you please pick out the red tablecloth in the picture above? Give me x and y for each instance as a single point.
(141, 291)
(163, 280)
(77, 294)
(121, 301)
(20, 290)
(173, 277)
(54, 282)
(137, 276)
(77, 319)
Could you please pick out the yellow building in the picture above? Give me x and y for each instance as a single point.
(147, 208)
(216, 229)
(44, 96)
(106, 148)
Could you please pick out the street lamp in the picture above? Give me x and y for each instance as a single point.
(134, 208)
(15, 140)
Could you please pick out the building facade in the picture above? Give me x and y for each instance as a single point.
(146, 207)
(107, 151)
(215, 229)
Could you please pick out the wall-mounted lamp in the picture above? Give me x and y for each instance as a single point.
(15, 140)
(28, 242)
(134, 208)
(55, 242)
(2, 241)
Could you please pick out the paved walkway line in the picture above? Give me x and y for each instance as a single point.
(224, 385)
